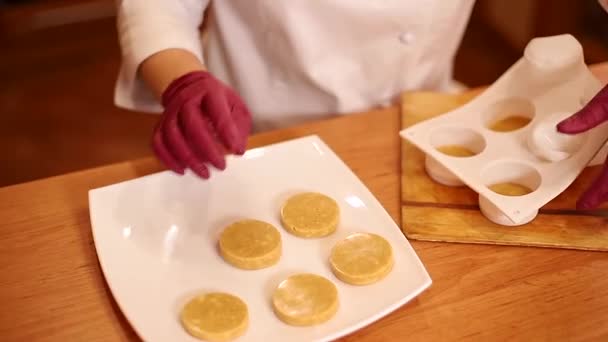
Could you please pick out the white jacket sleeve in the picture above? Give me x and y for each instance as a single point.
(146, 27)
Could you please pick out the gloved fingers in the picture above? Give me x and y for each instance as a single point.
(597, 192)
(178, 86)
(591, 115)
(199, 132)
(162, 152)
(243, 123)
(174, 137)
(201, 170)
(242, 119)
(217, 108)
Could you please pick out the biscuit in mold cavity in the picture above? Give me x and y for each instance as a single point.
(550, 145)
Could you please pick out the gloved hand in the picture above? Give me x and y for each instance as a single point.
(592, 115)
(203, 120)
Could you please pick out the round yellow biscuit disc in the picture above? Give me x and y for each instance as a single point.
(510, 189)
(305, 299)
(361, 259)
(215, 317)
(310, 215)
(250, 244)
(455, 151)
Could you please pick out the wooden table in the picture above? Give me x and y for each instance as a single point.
(52, 289)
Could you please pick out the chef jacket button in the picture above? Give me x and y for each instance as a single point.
(406, 38)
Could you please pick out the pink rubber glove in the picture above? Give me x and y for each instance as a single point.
(592, 115)
(203, 120)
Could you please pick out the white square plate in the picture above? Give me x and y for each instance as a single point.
(156, 241)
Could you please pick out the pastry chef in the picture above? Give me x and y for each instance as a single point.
(265, 64)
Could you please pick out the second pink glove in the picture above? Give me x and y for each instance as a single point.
(593, 114)
(203, 120)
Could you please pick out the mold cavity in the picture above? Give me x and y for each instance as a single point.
(455, 151)
(509, 115)
(457, 141)
(510, 189)
(510, 178)
(510, 123)
(549, 144)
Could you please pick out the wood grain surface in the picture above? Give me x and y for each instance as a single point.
(435, 212)
(52, 289)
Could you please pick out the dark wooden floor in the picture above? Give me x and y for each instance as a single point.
(56, 108)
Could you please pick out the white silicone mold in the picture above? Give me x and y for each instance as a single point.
(549, 83)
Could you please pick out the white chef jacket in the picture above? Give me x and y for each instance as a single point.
(297, 60)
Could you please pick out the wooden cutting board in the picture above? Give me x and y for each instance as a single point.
(434, 212)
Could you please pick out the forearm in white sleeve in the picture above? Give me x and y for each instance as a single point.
(146, 27)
